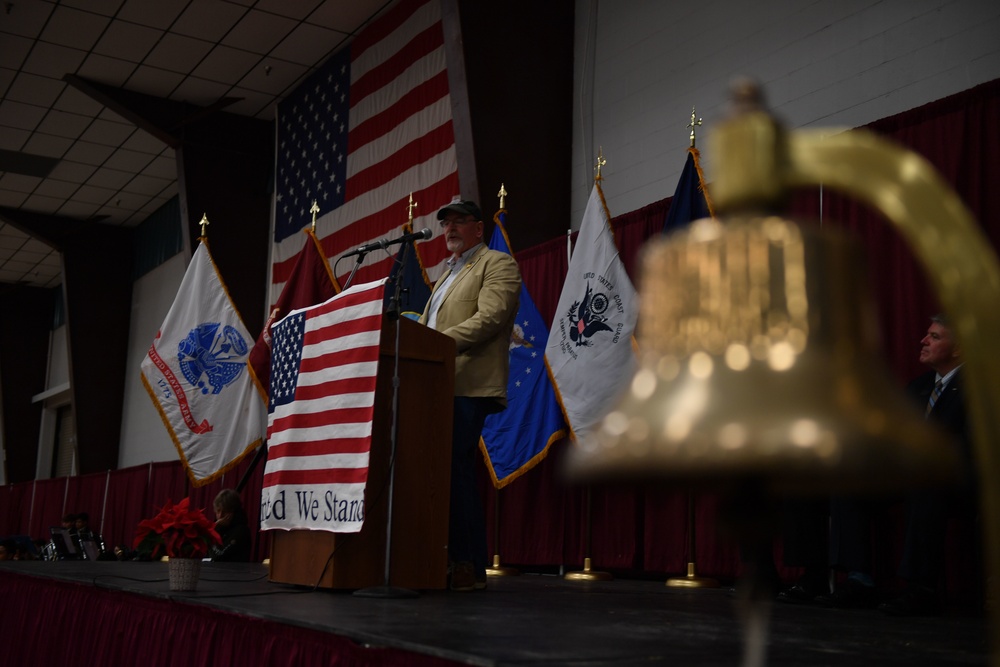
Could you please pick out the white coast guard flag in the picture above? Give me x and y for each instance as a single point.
(195, 373)
(590, 340)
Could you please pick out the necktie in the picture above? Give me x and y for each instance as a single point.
(935, 395)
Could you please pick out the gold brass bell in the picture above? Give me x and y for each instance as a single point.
(759, 364)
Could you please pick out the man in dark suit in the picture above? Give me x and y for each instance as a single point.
(475, 303)
(938, 393)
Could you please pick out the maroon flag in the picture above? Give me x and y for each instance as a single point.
(309, 283)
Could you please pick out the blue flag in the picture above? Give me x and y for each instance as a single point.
(414, 289)
(690, 201)
(517, 438)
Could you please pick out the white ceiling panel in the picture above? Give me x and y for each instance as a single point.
(53, 60)
(74, 28)
(195, 51)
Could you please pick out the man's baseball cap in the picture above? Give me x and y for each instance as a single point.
(462, 208)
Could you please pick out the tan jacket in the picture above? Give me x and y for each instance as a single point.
(478, 311)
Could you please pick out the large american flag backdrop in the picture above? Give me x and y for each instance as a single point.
(371, 126)
(324, 367)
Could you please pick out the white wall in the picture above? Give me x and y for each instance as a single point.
(144, 437)
(642, 64)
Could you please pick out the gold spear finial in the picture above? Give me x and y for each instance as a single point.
(600, 162)
(409, 209)
(203, 223)
(502, 194)
(314, 210)
(693, 124)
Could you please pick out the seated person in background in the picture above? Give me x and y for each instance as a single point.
(231, 525)
(90, 543)
(8, 550)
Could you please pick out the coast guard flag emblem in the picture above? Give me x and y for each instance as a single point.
(195, 375)
(324, 366)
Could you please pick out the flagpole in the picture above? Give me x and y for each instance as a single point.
(691, 579)
(587, 574)
(498, 570)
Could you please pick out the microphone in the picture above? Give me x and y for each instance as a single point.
(382, 244)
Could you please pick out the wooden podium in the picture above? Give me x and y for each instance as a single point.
(421, 489)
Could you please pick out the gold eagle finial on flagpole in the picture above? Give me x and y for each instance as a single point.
(502, 194)
(409, 209)
(600, 163)
(204, 224)
(695, 122)
(314, 210)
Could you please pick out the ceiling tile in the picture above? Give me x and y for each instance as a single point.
(78, 210)
(6, 77)
(146, 185)
(107, 133)
(93, 195)
(273, 76)
(9, 275)
(74, 172)
(47, 145)
(78, 102)
(28, 20)
(32, 89)
(89, 153)
(178, 53)
(130, 161)
(12, 237)
(259, 32)
(109, 178)
(143, 142)
(18, 182)
(295, 10)
(18, 266)
(23, 116)
(226, 64)
(154, 81)
(308, 45)
(127, 41)
(13, 51)
(5, 253)
(39, 204)
(345, 17)
(64, 124)
(37, 247)
(159, 14)
(129, 201)
(11, 199)
(208, 20)
(162, 167)
(51, 187)
(53, 60)
(74, 28)
(103, 7)
(12, 139)
(106, 70)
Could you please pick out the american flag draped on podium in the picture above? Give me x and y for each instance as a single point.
(324, 367)
(368, 128)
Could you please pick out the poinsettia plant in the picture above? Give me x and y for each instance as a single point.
(176, 531)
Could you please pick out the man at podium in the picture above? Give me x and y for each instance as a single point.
(475, 303)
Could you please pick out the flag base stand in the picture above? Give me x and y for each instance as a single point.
(386, 592)
(587, 574)
(499, 570)
(692, 580)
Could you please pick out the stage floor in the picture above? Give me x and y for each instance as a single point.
(540, 619)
